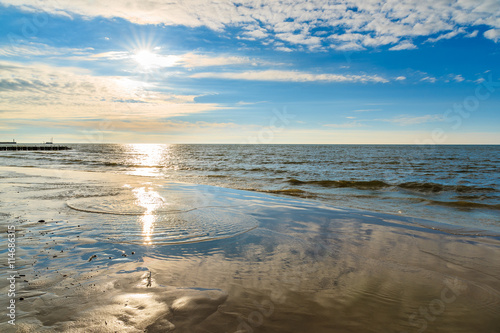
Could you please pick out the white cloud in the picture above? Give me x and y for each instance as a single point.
(202, 60)
(188, 60)
(283, 49)
(493, 34)
(256, 34)
(372, 24)
(403, 46)
(472, 34)
(458, 78)
(406, 120)
(429, 79)
(401, 78)
(351, 124)
(41, 91)
(352, 46)
(32, 49)
(143, 125)
(290, 76)
(303, 39)
(185, 60)
(448, 35)
(112, 55)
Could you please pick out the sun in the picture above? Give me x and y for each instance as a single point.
(149, 60)
(146, 59)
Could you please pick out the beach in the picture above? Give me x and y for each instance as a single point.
(105, 252)
(300, 166)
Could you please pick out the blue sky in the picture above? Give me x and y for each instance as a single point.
(201, 71)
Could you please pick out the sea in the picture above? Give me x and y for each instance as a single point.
(456, 185)
(251, 238)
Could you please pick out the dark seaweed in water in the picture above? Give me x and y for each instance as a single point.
(378, 184)
(464, 204)
(433, 187)
(370, 184)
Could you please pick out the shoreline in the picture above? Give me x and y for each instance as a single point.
(425, 223)
(434, 186)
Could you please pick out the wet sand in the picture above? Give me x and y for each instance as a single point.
(138, 254)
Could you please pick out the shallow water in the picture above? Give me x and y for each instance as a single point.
(133, 254)
(457, 185)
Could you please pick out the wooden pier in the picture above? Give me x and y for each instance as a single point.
(31, 147)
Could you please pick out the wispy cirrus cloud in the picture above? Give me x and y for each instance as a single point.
(406, 120)
(289, 76)
(41, 91)
(428, 79)
(156, 58)
(142, 126)
(351, 124)
(23, 49)
(449, 35)
(187, 60)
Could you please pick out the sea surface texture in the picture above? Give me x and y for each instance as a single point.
(330, 239)
(454, 185)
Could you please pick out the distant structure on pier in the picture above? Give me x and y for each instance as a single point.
(14, 146)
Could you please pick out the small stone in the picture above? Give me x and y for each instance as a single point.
(41, 221)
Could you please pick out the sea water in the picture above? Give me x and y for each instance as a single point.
(132, 251)
(457, 185)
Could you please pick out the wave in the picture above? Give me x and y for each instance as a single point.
(118, 164)
(363, 184)
(425, 187)
(288, 191)
(434, 188)
(294, 162)
(464, 204)
(9, 156)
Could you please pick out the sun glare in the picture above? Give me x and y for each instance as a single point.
(147, 59)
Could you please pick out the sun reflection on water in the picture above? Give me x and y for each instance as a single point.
(151, 201)
(147, 158)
